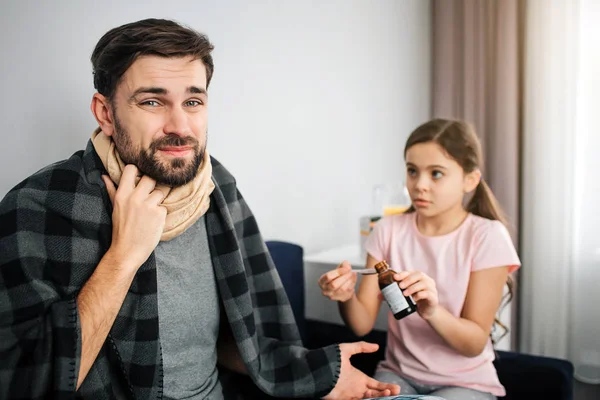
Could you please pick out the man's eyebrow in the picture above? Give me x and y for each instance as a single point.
(196, 90)
(162, 91)
(151, 90)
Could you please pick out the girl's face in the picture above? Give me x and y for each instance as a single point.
(435, 181)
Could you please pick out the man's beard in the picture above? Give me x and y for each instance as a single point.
(174, 172)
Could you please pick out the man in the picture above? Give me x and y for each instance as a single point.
(135, 269)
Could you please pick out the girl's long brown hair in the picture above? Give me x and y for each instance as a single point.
(461, 143)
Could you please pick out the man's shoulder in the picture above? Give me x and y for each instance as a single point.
(61, 180)
(48, 175)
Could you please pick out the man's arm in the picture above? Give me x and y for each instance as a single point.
(99, 302)
(286, 368)
(138, 222)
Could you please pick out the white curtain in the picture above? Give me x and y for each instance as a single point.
(560, 247)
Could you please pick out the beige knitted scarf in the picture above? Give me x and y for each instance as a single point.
(185, 204)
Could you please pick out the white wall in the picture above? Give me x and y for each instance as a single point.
(309, 107)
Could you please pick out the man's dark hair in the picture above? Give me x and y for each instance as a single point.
(121, 46)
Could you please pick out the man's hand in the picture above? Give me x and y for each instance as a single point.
(138, 218)
(352, 383)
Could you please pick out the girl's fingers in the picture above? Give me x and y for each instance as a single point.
(348, 286)
(415, 288)
(401, 275)
(339, 282)
(424, 295)
(330, 276)
(412, 277)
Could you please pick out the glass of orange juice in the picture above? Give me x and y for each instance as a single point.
(396, 199)
(394, 209)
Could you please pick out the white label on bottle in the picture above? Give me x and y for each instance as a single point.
(394, 297)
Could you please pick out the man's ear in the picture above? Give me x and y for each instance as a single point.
(472, 179)
(103, 112)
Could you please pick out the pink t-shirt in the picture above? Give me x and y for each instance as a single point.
(414, 349)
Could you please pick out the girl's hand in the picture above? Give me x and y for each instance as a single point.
(422, 289)
(339, 284)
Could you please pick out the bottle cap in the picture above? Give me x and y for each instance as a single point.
(381, 266)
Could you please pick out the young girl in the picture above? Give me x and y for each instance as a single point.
(454, 261)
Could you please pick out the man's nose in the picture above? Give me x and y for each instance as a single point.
(177, 122)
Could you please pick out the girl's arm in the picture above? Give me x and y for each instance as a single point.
(360, 312)
(469, 334)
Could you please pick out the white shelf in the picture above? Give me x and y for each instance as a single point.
(350, 252)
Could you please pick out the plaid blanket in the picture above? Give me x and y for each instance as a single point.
(55, 226)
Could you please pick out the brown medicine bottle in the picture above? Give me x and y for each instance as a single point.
(400, 305)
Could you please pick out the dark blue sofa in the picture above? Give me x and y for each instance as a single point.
(524, 376)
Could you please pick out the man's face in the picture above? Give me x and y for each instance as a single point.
(160, 117)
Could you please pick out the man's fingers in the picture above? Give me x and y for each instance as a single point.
(373, 394)
(130, 172)
(362, 347)
(146, 185)
(374, 384)
(110, 188)
(156, 197)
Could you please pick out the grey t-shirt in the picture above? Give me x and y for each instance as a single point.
(188, 312)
